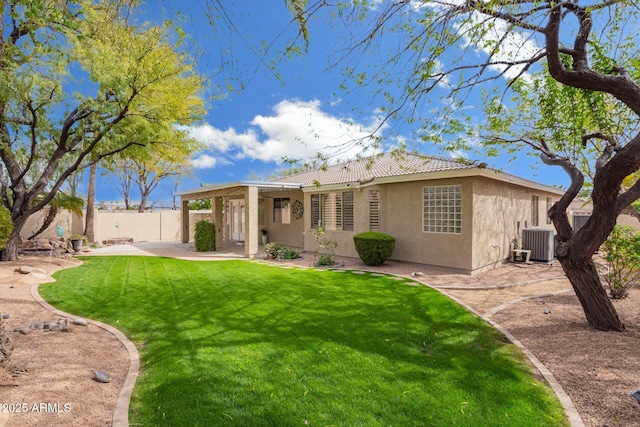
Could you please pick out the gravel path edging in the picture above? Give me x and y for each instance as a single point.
(493, 287)
(121, 411)
(515, 301)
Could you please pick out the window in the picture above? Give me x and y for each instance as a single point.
(347, 211)
(315, 211)
(328, 209)
(281, 210)
(549, 204)
(374, 210)
(332, 211)
(442, 209)
(534, 210)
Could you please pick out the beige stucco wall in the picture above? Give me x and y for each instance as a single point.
(401, 210)
(148, 226)
(500, 212)
(403, 219)
(493, 214)
(286, 234)
(70, 223)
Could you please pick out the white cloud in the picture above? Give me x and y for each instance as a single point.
(204, 161)
(295, 129)
(515, 46)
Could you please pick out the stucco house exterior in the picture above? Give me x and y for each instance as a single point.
(442, 212)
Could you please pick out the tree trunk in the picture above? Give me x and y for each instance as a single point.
(10, 251)
(585, 280)
(143, 204)
(89, 228)
(51, 216)
(144, 196)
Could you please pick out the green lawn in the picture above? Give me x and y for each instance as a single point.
(244, 344)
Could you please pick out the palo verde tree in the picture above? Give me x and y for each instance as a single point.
(166, 153)
(73, 76)
(443, 50)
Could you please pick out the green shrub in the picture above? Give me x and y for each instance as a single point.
(622, 253)
(200, 205)
(289, 253)
(274, 250)
(325, 260)
(373, 247)
(205, 236)
(271, 250)
(326, 253)
(6, 226)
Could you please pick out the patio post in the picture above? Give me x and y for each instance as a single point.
(218, 219)
(184, 212)
(251, 221)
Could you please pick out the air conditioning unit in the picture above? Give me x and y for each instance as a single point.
(540, 242)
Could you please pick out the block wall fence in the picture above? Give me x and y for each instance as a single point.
(161, 225)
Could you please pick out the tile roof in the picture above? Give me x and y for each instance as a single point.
(381, 166)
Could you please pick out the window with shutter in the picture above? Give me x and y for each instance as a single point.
(534, 211)
(332, 211)
(315, 211)
(347, 211)
(374, 210)
(549, 204)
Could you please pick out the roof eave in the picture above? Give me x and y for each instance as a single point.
(446, 174)
(261, 185)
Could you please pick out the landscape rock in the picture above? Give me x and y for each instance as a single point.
(36, 325)
(102, 376)
(26, 270)
(80, 322)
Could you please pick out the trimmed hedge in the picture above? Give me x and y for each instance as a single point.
(205, 236)
(6, 226)
(373, 247)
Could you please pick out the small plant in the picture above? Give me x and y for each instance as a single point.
(6, 226)
(205, 236)
(82, 237)
(325, 260)
(622, 253)
(374, 248)
(263, 231)
(271, 250)
(289, 253)
(274, 250)
(326, 253)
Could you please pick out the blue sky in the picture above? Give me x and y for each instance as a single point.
(294, 110)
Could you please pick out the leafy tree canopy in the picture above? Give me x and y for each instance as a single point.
(76, 81)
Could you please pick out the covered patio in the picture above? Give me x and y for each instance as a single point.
(237, 211)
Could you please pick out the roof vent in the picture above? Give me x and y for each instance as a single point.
(366, 179)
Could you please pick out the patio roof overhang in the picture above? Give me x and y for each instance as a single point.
(238, 188)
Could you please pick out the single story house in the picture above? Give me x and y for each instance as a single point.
(442, 212)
